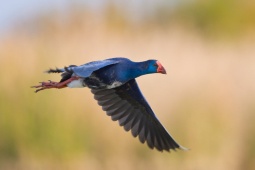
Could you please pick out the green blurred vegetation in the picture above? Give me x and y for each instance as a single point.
(217, 19)
(211, 18)
(206, 101)
(224, 17)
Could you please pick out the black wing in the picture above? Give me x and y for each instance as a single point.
(127, 105)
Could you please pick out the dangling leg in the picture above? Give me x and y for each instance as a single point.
(52, 84)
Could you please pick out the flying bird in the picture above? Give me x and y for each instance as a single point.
(112, 81)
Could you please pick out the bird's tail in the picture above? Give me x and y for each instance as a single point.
(59, 70)
(56, 70)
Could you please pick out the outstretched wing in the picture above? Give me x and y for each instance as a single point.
(87, 69)
(127, 105)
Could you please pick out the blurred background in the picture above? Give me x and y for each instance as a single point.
(206, 101)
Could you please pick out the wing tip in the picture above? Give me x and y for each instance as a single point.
(169, 149)
(183, 148)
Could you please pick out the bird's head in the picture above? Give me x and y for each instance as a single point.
(136, 69)
(155, 66)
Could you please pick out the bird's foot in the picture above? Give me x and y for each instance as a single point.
(46, 85)
(51, 84)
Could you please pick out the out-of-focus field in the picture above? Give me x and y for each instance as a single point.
(206, 101)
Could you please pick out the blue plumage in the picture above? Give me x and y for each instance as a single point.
(87, 69)
(106, 72)
(112, 81)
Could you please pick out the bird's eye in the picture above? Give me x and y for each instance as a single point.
(155, 65)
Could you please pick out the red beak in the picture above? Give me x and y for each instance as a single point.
(160, 69)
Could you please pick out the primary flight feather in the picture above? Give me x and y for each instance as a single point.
(112, 81)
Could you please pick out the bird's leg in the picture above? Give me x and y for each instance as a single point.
(51, 84)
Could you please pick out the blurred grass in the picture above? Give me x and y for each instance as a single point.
(206, 101)
(225, 19)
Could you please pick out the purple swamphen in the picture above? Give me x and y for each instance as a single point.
(112, 81)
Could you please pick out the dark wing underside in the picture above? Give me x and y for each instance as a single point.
(127, 105)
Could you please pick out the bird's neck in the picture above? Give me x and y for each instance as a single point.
(139, 69)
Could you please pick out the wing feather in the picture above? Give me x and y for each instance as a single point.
(136, 127)
(87, 69)
(121, 114)
(127, 105)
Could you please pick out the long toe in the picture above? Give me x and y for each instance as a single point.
(36, 86)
